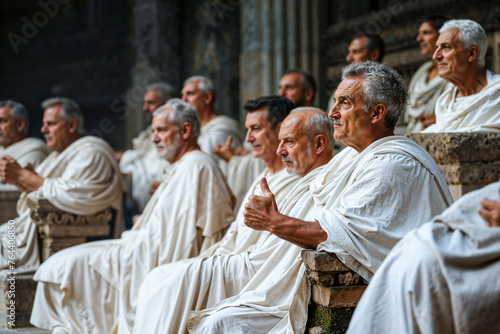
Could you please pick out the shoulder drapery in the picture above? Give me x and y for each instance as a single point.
(441, 278)
(478, 112)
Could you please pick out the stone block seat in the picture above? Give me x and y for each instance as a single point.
(57, 230)
(336, 290)
(8, 204)
(468, 161)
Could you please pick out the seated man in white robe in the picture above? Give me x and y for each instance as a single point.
(426, 85)
(306, 144)
(14, 124)
(80, 176)
(142, 162)
(441, 278)
(365, 200)
(473, 102)
(199, 91)
(90, 288)
(296, 85)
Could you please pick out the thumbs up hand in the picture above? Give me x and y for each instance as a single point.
(261, 212)
(226, 151)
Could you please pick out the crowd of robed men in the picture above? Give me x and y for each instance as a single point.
(195, 262)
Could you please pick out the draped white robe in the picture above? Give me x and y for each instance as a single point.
(215, 132)
(29, 151)
(477, 112)
(89, 288)
(442, 278)
(241, 174)
(144, 165)
(201, 282)
(423, 96)
(84, 179)
(365, 202)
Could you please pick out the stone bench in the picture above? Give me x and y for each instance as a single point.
(335, 292)
(8, 204)
(468, 161)
(57, 230)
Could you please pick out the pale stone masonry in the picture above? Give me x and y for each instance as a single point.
(468, 161)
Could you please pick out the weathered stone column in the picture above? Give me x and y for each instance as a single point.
(336, 290)
(8, 203)
(468, 161)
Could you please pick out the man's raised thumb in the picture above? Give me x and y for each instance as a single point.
(265, 188)
(229, 140)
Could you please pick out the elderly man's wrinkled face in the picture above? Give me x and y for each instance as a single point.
(351, 123)
(264, 141)
(451, 57)
(9, 127)
(358, 50)
(166, 137)
(151, 103)
(426, 38)
(57, 132)
(296, 152)
(291, 88)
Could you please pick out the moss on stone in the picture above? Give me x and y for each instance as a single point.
(331, 321)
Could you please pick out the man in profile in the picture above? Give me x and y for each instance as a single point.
(93, 287)
(80, 176)
(366, 47)
(141, 161)
(14, 124)
(473, 101)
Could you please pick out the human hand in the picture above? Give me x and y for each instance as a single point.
(9, 170)
(153, 186)
(261, 211)
(427, 120)
(490, 211)
(226, 151)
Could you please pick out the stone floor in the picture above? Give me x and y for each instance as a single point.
(24, 330)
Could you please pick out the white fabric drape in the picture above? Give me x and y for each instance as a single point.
(83, 179)
(373, 198)
(365, 202)
(423, 96)
(30, 151)
(187, 214)
(477, 112)
(215, 132)
(442, 278)
(198, 283)
(277, 286)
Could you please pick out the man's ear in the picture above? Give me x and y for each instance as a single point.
(321, 143)
(209, 97)
(72, 125)
(378, 113)
(473, 53)
(309, 93)
(374, 55)
(20, 124)
(186, 130)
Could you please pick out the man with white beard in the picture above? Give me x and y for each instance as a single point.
(365, 200)
(203, 274)
(93, 287)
